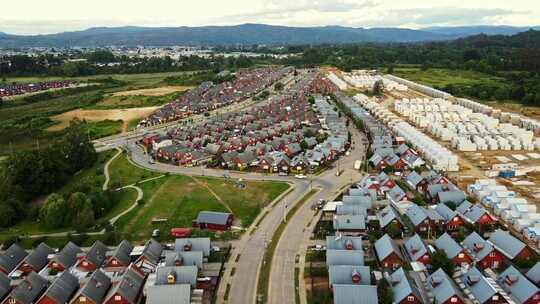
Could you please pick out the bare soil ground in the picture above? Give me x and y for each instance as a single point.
(125, 115)
(161, 91)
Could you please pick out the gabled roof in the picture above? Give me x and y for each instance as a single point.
(402, 286)
(343, 274)
(218, 218)
(416, 214)
(38, 258)
(464, 207)
(357, 200)
(349, 222)
(479, 286)
(415, 247)
(129, 287)
(341, 242)
(97, 253)
(477, 246)
(344, 257)
(396, 194)
(402, 149)
(445, 212)
(62, 288)
(122, 252)
(96, 288)
(355, 294)
(414, 179)
(13, 256)
(29, 289)
(351, 210)
(386, 216)
(386, 246)
(67, 257)
(5, 285)
(534, 273)
(446, 243)
(475, 213)
(182, 274)
(197, 244)
(169, 294)
(188, 258)
(152, 251)
(455, 196)
(506, 243)
(442, 287)
(515, 283)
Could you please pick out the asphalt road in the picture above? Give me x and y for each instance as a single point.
(295, 236)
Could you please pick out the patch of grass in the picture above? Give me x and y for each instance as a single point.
(444, 77)
(135, 101)
(266, 267)
(246, 203)
(104, 128)
(123, 173)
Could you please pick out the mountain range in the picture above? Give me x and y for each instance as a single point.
(246, 34)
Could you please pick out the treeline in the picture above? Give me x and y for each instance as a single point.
(105, 62)
(26, 175)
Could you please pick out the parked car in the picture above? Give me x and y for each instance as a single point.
(300, 176)
(156, 233)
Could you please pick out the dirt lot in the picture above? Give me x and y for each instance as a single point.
(154, 92)
(125, 115)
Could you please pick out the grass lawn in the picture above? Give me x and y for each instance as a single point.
(135, 101)
(104, 128)
(444, 77)
(123, 173)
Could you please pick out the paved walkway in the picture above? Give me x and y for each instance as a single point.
(106, 170)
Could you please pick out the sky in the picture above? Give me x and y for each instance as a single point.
(29, 17)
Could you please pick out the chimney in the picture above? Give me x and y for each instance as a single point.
(349, 245)
(179, 261)
(187, 246)
(356, 278)
(435, 281)
(472, 279)
(511, 279)
(171, 277)
(478, 247)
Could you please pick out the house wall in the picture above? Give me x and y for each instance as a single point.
(457, 300)
(500, 300)
(485, 219)
(86, 265)
(78, 301)
(494, 261)
(110, 264)
(466, 258)
(46, 300)
(525, 254)
(425, 259)
(534, 299)
(26, 268)
(392, 261)
(56, 266)
(10, 300)
(414, 299)
(454, 224)
(112, 300)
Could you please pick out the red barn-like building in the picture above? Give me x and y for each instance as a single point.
(217, 221)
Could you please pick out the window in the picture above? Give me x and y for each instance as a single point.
(453, 300)
(118, 298)
(85, 263)
(461, 255)
(492, 254)
(410, 298)
(82, 299)
(495, 298)
(114, 262)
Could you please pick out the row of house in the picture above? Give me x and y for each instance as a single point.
(209, 96)
(153, 273)
(9, 90)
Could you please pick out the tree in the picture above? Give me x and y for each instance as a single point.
(9, 216)
(394, 230)
(304, 145)
(390, 69)
(386, 294)
(450, 205)
(54, 212)
(278, 86)
(441, 260)
(378, 88)
(83, 213)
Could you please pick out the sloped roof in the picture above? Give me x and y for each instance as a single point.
(197, 244)
(444, 287)
(152, 251)
(475, 213)
(534, 273)
(122, 252)
(5, 285)
(416, 214)
(129, 287)
(29, 289)
(13, 256)
(351, 210)
(446, 243)
(344, 257)
(479, 286)
(67, 257)
(355, 294)
(169, 294)
(188, 258)
(63, 287)
(97, 253)
(357, 200)
(96, 288)
(445, 212)
(506, 243)
(517, 284)
(385, 246)
(386, 216)
(464, 207)
(396, 193)
(415, 247)
(414, 179)
(455, 196)
(218, 218)
(349, 222)
(183, 274)
(38, 257)
(342, 274)
(477, 246)
(340, 242)
(402, 286)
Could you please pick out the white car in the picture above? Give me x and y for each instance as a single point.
(300, 176)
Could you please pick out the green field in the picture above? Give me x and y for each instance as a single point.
(444, 77)
(123, 173)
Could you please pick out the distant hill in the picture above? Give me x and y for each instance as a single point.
(247, 34)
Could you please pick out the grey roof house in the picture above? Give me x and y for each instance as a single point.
(193, 244)
(518, 286)
(340, 242)
(355, 294)
(443, 288)
(12, 258)
(177, 275)
(344, 257)
(349, 274)
(62, 288)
